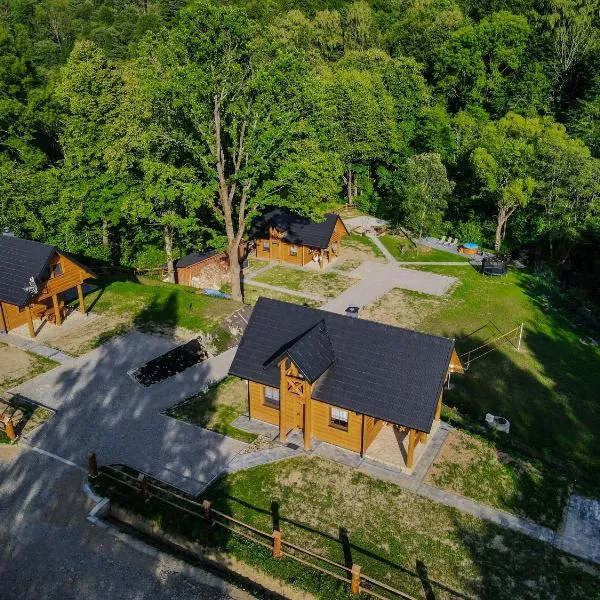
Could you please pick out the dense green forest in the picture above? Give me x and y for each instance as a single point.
(135, 130)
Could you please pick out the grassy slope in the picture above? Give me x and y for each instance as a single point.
(153, 302)
(548, 390)
(361, 243)
(324, 284)
(391, 533)
(395, 244)
(217, 408)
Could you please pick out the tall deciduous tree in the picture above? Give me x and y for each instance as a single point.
(90, 92)
(235, 112)
(424, 189)
(504, 163)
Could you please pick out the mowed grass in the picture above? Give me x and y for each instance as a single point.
(150, 302)
(401, 249)
(397, 537)
(474, 467)
(328, 285)
(548, 390)
(217, 408)
(360, 242)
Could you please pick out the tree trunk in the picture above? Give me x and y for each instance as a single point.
(235, 270)
(499, 225)
(104, 233)
(349, 187)
(169, 252)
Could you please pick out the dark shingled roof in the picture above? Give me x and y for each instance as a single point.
(386, 372)
(298, 230)
(19, 261)
(194, 258)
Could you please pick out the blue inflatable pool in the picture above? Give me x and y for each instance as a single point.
(471, 246)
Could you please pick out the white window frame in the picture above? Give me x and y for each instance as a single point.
(266, 245)
(339, 418)
(294, 250)
(271, 396)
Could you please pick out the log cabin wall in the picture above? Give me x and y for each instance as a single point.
(64, 275)
(324, 431)
(258, 409)
(371, 428)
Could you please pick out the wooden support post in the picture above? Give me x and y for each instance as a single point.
(2, 320)
(355, 581)
(412, 442)
(438, 410)
(276, 544)
(92, 465)
(422, 437)
(81, 300)
(10, 430)
(30, 321)
(282, 403)
(143, 486)
(57, 315)
(206, 507)
(308, 416)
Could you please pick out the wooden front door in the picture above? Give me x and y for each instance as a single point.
(295, 391)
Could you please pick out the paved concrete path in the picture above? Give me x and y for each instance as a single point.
(49, 550)
(100, 408)
(376, 279)
(388, 256)
(30, 345)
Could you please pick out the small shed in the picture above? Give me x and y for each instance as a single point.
(207, 269)
(492, 265)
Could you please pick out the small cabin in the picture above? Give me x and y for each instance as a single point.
(207, 269)
(340, 379)
(283, 235)
(33, 277)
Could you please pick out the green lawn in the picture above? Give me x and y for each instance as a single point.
(360, 242)
(401, 249)
(328, 285)
(549, 390)
(398, 537)
(473, 466)
(151, 302)
(217, 408)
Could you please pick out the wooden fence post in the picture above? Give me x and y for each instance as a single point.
(206, 505)
(10, 430)
(92, 465)
(355, 581)
(143, 486)
(276, 543)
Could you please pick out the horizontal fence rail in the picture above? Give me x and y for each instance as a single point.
(142, 484)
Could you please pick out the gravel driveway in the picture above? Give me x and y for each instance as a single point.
(100, 407)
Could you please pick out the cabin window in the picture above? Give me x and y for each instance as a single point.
(339, 418)
(272, 397)
(56, 270)
(293, 250)
(266, 246)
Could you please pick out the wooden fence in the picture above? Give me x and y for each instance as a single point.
(358, 582)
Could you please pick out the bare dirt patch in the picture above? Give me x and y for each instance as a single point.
(90, 333)
(402, 308)
(15, 364)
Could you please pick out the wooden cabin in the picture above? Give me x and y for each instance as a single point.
(33, 277)
(202, 269)
(341, 379)
(280, 234)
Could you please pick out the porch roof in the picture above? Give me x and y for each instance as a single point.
(385, 372)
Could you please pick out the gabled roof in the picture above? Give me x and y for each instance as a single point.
(298, 230)
(311, 352)
(385, 372)
(193, 258)
(19, 261)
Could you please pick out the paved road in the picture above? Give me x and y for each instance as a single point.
(376, 279)
(100, 408)
(48, 550)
